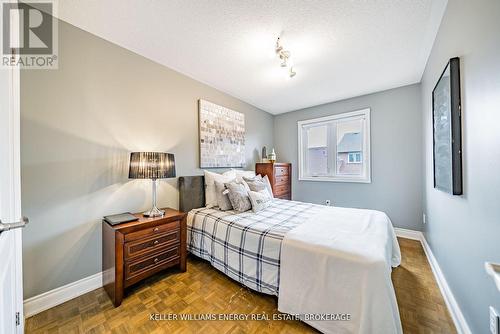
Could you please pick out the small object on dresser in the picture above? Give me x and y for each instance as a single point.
(120, 218)
(272, 157)
(264, 154)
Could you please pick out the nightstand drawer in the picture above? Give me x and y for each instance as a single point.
(141, 246)
(279, 171)
(152, 231)
(146, 266)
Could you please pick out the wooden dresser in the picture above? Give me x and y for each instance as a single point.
(136, 250)
(280, 176)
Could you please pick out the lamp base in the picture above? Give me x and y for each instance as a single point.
(154, 212)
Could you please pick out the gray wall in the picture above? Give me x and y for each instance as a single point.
(79, 124)
(463, 231)
(396, 146)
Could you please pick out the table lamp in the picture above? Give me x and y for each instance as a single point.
(154, 166)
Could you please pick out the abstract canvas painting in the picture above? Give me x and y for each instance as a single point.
(222, 136)
(447, 134)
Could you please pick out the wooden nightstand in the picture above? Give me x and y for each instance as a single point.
(136, 250)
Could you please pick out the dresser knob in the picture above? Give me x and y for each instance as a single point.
(155, 242)
(156, 229)
(156, 260)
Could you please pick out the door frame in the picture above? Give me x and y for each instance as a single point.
(15, 130)
(12, 208)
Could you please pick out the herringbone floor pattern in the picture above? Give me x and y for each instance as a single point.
(204, 290)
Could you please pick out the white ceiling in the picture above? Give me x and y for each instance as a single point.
(340, 48)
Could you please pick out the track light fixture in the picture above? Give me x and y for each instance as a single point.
(284, 57)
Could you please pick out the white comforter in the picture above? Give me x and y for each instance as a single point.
(338, 264)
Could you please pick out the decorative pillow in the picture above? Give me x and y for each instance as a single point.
(260, 200)
(243, 173)
(222, 197)
(256, 183)
(242, 180)
(238, 196)
(268, 185)
(210, 178)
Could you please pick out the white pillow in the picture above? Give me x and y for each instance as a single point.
(268, 186)
(210, 178)
(264, 180)
(260, 200)
(243, 173)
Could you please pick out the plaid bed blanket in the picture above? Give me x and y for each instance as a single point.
(246, 246)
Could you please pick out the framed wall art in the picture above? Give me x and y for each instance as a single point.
(222, 136)
(447, 130)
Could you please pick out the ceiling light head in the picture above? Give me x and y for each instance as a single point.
(284, 57)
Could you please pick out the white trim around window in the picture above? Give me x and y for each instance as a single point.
(332, 175)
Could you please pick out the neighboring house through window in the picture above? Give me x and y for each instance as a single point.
(349, 153)
(335, 148)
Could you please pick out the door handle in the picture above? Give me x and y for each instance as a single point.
(20, 224)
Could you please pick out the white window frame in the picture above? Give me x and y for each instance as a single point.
(366, 156)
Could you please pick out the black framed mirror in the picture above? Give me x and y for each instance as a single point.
(447, 130)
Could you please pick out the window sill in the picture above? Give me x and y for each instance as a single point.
(336, 179)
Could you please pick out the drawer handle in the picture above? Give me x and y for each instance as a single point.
(156, 259)
(156, 229)
(155, 242)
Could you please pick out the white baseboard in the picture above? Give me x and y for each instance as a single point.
(49, 299)
(408, 234)
(455, 312)
(62, 294)
(451, 303)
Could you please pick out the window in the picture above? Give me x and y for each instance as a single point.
(335, 148)
(354, 158)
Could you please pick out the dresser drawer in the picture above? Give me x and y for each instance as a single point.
(287, 196)
(141, 246)
(152, 231)
(281, 180)
(281, 189)
(279, 171)
(145, 266)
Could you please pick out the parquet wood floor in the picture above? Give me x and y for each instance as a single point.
(204, 290)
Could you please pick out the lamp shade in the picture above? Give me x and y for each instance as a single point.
(151, 165)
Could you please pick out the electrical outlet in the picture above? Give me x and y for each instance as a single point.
(494, 321)
(327, 202)
(424, 218)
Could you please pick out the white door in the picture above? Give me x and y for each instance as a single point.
(11, 281)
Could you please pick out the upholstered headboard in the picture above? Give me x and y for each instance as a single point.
(191, 192)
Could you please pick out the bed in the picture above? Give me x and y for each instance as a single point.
(329, 265)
